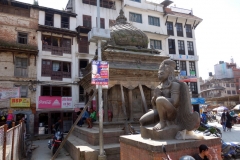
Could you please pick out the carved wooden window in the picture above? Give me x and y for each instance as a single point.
(192, 68)
(22, 38)
(56, 91)
(21, 67)
(155, 44)
(189, 30)
(102, 23)
(48, 19)
(83, 45)
(171, 46)
(87, 21)
(153, 21)
(179, 29)
(81, 94)
(170, 28)
(46, 67)
(183, 68)
(111, 23)
(135, 17)
(181, 47)
(65, 22)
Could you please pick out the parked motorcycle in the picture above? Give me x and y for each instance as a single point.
(230, 150)
(209, 130)
(55, 142)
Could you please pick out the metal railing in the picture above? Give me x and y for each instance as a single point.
(11, 142)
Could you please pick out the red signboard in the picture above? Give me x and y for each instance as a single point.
(46, 102)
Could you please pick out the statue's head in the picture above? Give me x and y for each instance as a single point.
(166, 70)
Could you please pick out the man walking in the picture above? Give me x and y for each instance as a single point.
(224, 120)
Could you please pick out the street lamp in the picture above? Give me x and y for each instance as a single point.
(97, 35)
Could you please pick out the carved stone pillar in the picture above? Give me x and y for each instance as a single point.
(130, 103)
(105, 105)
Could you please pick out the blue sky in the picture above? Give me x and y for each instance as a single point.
(217, 37)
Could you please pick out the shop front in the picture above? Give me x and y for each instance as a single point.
(50, 110)
(21, 108)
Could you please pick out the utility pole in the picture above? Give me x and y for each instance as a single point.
(97, 35)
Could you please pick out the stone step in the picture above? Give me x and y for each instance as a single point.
(82, 150)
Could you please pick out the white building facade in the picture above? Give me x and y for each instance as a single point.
(58, 91)
(170, 30)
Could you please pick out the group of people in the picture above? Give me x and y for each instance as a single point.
(226, 121)
(88, 116)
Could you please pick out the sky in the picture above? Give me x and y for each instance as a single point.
(217, 36)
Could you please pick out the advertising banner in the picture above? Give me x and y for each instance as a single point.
(197, 100)
(20, 102)
(67, 102)
(47, 102)
(6, 93)
(100, 73)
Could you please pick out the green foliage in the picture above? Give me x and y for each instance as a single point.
(14, 45)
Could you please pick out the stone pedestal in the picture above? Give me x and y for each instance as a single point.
(134, 147)
(166, 133)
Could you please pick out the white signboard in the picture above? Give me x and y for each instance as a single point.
(6, 93)
(67, 102)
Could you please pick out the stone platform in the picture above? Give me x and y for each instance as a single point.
(83, 143)
(134, 147)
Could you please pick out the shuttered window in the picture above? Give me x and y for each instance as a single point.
(21, 69)
(87, 21)
(134, 17)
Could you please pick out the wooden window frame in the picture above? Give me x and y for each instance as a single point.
(154, 42)
(82, 97)
(47, 22)
(21, 67)
(64, 24)
(81, 69)
(83, 45)
(183, 66)
(103, 3)
(102, 23)
(189, 31)
(170, 29)
(172, 50)
(87, 21)
(154, 19)
(24, 38)
(181, 47)
(190, 48)
(179, 28)
(133, 18)
(192, 67)
(21, 90)
(61, 88)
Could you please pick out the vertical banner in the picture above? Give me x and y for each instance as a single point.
(100, 73)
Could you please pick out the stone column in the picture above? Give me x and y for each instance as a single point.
(130, 103)
(105, 105)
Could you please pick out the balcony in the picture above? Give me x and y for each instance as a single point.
(56, 50)
(65, 25)
(48, 23)
(58, 75)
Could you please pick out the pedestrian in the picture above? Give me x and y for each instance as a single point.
(92, 118)
(10, 119)
(229, 121)
(83, 118)
(224, 120)
(56, 126)
(203, 153)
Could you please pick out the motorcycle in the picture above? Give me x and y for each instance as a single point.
(230, 150)
(209, 130)
(186, 157)
(55, 142)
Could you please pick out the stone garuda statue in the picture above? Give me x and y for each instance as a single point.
(172, 109)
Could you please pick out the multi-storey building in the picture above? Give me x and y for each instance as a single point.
(18, 52)
(170, 30)
(57, 91)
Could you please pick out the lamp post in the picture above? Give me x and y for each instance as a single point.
(97, 35)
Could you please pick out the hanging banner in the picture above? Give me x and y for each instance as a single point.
(47, 102)
(6, 93)
(100, 73)
(20, 102)
(198, 100)
(67, 102)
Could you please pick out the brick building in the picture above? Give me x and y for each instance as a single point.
(18, 52)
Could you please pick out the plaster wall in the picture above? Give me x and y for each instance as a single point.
(73, 23)
(57, 20)
(41, 18)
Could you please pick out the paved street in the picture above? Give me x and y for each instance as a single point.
(44, 153)
(233, 136)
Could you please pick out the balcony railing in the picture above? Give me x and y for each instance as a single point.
(56, 50)
(48, 23)
(56, 75)
(64, 25)
(66, 74)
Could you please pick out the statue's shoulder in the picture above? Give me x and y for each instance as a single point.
(176, 84)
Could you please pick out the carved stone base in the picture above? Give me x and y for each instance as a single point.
(168, 132)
